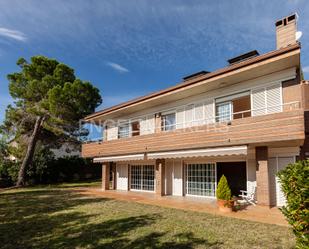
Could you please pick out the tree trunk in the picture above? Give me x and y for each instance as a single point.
(30, 151)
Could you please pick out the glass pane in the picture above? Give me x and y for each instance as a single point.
(201, 179)
(123, 130)
(168, 122)
(223, 112)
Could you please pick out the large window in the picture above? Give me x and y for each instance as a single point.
(168, 121)
(233, 106)
(142, 177)
(123, 130)
(201, 179)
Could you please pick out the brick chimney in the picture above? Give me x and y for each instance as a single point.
(286, 31)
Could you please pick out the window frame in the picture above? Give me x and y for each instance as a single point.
(163, 123)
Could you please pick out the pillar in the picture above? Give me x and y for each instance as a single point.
(114, 180)
(158, 122)
(160, 176)
(105, 176)
(262, 176)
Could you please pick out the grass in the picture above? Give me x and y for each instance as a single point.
(57, 217)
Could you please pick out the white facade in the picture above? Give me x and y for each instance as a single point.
(265, 94)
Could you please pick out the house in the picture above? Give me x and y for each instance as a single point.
(247, 121)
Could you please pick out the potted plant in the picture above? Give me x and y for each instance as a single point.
(224, 196)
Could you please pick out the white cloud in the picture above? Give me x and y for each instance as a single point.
(117, 67)
(13, 34)
(306, 69)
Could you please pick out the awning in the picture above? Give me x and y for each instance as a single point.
(219, 151)
(132, 157)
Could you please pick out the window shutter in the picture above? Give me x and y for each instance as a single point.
(199, 114)
(150, 123)
(143, 126)
(180, 118)
(112, 132)
(189, 115)
(273, 98)
(209, 112)
(258, 102)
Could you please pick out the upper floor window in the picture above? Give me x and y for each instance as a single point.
(223, 111)
(123, 130)
(135, 128)
(168, 121)
(233, 107)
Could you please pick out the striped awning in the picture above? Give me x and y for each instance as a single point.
(132, 157)
(210, 152)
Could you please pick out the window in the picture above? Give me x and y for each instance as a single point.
(223, 111)
(201, 179)
(241, 107)
(142, 177)
(123, 130)
(135, 127)
(233, 106)
(168, 122)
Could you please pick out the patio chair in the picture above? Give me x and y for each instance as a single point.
(248, 196)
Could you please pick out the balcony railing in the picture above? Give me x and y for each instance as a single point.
(225, 118)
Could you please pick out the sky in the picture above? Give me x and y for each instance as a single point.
(130, 48)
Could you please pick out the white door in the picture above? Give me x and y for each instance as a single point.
(282, 163)
(177, 178)
(122, 176)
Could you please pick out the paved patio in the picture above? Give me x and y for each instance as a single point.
(251, 213)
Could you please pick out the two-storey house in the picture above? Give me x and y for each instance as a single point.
(246, 121)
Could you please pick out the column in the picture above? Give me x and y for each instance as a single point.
(262, 176)
(158, 122)
(160, 177)
(105, 176)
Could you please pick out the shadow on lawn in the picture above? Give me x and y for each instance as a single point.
(51, 219)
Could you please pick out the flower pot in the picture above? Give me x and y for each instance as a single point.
(225, 206)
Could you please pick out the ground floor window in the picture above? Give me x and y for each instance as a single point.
(201, 179)
(142, 177)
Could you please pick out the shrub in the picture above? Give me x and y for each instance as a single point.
(294, 181)
(223, 189)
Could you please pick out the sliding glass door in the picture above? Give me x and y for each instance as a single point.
(201, 179)
(142, 177)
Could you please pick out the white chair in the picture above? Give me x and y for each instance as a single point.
(248, 196)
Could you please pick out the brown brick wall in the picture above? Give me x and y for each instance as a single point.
(105, 176)
(262, 176)
(159, 176)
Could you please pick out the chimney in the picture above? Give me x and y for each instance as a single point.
(286, 31)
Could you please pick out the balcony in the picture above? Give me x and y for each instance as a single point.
(282, 127)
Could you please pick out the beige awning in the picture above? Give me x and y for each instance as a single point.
(219, 151)
(132, 157)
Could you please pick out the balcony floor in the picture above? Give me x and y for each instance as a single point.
(251, 213)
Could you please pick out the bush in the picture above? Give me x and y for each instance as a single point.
(8, 172)
(45, 168)
(223, 189)
(294, 181)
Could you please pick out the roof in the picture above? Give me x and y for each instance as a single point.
(197, 79)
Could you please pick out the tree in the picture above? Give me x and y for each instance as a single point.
(49, 103)
(223, 189)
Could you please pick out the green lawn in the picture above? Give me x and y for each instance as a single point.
(57, 217)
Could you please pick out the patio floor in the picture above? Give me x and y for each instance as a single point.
(251, 213)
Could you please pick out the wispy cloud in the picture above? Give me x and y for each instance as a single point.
(117, 67)
(13, 34)
(306, 69)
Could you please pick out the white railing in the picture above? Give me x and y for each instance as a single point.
(232, 116)
(212, 120)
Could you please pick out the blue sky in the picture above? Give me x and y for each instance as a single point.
(130, 48)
